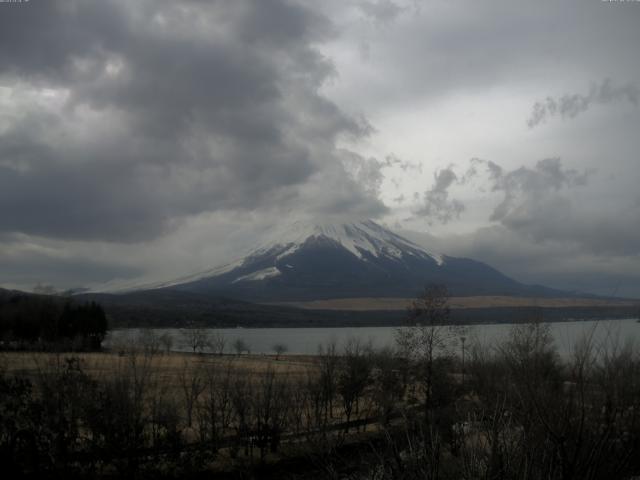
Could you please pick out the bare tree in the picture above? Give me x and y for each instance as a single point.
(545, 418)
(328, 377)
(269, 411)
(312, 397)
(166, 340)
(218, 342)
(192, 383)
(241, 395)
(215, 412)
(149, 341)
(240, 346)
(354, 377)
(279, 349)
(196, 338)
(430, 335)
(388, 387)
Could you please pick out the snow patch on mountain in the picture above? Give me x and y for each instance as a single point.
(259, 275)
(359, 238)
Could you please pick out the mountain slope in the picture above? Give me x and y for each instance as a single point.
(312, 262)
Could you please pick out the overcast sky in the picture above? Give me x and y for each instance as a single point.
(151, 138)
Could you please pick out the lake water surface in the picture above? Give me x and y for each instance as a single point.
(307, 340)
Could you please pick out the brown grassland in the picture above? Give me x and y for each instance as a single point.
(394, 303)
(169, 366)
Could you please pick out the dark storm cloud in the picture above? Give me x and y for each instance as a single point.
(366, 171)
(571, 105)
(437, 205)
(527, 185)
(449, 47)
(554, 263)
(611, 231)
(73, 272)
(369, 173)
(543, 203)
(26, 264)
(381, 11)
(349, 188)
(167, 123)
(125, 117)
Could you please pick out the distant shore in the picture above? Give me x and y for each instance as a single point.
(396, 303)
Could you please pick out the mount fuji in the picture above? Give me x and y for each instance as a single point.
(307, 261)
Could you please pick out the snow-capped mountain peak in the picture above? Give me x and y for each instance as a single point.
(308, 261)
(362, 239)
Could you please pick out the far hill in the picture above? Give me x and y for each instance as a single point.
(166, 308)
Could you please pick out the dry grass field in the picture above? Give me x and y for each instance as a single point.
(394, 303)
(170, 367)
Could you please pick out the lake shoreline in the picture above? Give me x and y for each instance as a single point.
(305, 341)
(291, 317)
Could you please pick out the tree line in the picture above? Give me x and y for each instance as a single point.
(46, 321)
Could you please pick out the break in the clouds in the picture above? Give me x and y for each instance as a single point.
(571, 105)
(155, 138)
